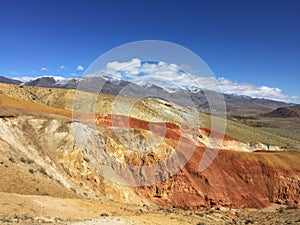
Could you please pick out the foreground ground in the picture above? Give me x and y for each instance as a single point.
(30, 209)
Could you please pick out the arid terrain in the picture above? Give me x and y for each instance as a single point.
(48, 176)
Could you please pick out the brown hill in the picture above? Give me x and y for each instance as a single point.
(285, 112)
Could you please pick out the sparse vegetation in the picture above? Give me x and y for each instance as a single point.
(249, 221)
(86, 159)
(26, 161)
(201, 223)
(43, 171)
(12, 160)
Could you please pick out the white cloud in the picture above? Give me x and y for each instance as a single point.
(159, 73)
(232, 87)
(62, 67)
(79, 68)
(171, 75)
(44, 69)
(131, 67)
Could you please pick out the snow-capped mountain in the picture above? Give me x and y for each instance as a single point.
(111, 85)
(53, 82)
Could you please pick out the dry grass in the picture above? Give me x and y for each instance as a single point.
(17, 177)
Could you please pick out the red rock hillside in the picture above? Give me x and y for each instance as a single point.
(236, 178)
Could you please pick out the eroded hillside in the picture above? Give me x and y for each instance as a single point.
(38, 142)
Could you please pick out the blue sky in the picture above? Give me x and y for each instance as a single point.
(252, 43)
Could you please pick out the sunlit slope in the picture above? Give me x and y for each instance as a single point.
(6, 101)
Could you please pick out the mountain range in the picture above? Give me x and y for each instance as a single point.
(235, 104)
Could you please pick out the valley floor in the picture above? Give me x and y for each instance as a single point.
(32, 209)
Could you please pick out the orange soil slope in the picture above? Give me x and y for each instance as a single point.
(31, 106)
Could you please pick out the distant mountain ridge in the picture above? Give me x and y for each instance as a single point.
(235, 104)
(285, 112)
(9, 81)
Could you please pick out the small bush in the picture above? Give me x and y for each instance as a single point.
(199, 214)
(86, 159)
(201, 223)
(23, 160)
(31, 171)
(43, 171)
(248, 221)
(27, 161)
(12, 160)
